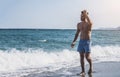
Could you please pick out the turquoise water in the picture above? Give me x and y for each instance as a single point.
(26, 52)
(51, 39)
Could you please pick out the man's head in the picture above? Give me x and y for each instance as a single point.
(83, 15)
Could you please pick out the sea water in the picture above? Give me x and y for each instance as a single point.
(24, 51)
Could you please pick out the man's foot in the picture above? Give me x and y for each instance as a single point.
(82, 73)
(89, 75)
(90, 71)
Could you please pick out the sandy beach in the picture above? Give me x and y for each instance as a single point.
(103, 69)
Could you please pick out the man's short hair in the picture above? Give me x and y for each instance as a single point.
(83, 12)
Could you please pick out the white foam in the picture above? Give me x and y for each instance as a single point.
(42, 40)
(14, 59)
(107, 53)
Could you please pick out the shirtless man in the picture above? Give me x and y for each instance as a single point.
(84, 29)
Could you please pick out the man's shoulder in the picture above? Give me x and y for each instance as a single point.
(79, 23)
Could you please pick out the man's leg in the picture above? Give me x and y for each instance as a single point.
(82, 62)
(88, 57)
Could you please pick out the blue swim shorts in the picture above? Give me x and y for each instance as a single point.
(84, 46)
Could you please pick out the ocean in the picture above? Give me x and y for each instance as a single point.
(27, 52)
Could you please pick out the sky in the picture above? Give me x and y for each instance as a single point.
(58, 14)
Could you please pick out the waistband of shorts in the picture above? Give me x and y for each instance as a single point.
(84, 39)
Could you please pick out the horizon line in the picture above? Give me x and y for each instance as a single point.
(49, 29)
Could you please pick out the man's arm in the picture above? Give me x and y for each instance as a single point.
(88, 19)
(76, 35)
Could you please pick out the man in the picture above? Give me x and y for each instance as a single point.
(84, 29)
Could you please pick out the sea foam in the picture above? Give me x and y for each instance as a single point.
(13, 59)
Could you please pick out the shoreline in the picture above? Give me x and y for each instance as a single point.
(102, 69)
